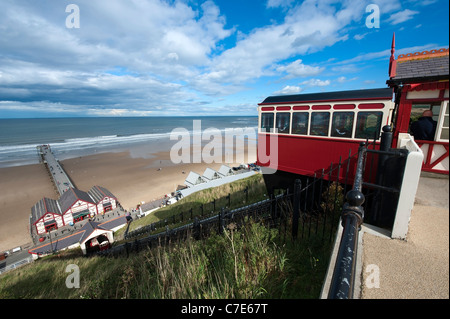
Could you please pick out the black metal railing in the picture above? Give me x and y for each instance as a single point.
(299, 214)
(342, 282)
(202, 211)
(310, 209)
(383, 193)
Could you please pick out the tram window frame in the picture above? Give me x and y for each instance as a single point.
(339, 130)
(442, 129)
(264, 127)
(278, 117)
(319, 128)
(303, 120)
(363, 133)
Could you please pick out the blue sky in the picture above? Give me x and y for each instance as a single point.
(185, 57)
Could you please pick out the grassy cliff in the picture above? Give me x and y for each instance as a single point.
(252, 262)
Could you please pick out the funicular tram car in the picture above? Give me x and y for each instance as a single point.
(312, 133)
(315, 130)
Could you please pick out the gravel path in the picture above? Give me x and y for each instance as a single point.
(418, 267)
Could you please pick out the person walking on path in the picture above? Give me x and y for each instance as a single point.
(425, 127)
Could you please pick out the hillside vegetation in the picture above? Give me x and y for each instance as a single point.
(252, 262)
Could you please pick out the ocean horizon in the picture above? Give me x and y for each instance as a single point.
(82, 136)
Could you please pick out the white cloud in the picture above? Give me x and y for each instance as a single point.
(298, 69)
(359, 36)
(160, 56)
(343, 79)
(402, 16)
(279, 3)
(308, 27)
(158, 43)
(288, 89)
(316, 82)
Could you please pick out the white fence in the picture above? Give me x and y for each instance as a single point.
(16, 265)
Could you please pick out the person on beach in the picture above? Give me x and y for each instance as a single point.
(425, 127)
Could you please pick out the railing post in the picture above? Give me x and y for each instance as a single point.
(296, 214)
(167, 235)
(221, 220)
(385, 145)
(136, 245)
(196, 228)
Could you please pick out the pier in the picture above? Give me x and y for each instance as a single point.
(59, 177)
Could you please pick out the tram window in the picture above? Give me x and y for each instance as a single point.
(266, 122)
(368, 125)
(443, 127)
(342, 125)
(319, 123)
(300, 123)
(282, 122)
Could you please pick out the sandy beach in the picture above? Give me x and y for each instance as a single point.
(131, 179)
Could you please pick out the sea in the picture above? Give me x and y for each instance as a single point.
(75, 137)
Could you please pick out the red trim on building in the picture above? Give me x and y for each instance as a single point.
(301, 108)
(283, 108)
(321, 107)
(344, 106)
(427, 165)
(427, 86)
(423, 55)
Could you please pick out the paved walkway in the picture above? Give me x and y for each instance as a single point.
(418, 267)
(60, 178)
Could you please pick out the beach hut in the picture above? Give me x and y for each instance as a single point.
(225, 171)
(194, 179)
(104, 199)
(76, 205)
(211, 174)
(46, 215)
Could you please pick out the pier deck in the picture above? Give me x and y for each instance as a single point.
(59, 176)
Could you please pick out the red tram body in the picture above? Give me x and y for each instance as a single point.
(315, 130)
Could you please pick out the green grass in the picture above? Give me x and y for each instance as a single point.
(256, 192)
(252, 262)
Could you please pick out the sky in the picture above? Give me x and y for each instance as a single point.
(80, 58)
